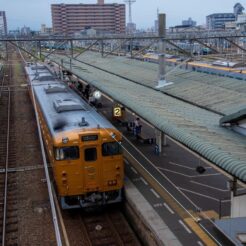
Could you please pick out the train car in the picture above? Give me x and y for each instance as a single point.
(84, 149)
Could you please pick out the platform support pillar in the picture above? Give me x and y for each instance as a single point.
(164, 139)
(158, 137)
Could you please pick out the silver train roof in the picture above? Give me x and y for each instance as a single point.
(62, 108)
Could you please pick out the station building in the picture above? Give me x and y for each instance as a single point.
(71, 18)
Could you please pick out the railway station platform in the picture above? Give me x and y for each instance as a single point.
(150, 226)
(153, 175)
(172, 182)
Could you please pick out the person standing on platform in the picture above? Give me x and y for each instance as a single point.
(87, 91)
(137, 127)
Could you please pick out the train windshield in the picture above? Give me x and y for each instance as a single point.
(67, 153)
(112, 148)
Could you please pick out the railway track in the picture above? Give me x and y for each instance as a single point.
(22, 227)
(25, 217)
(8, 189)
(107, 227)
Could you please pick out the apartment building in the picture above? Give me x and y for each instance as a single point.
(71, 18)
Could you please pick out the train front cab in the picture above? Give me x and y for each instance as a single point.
(89, 170)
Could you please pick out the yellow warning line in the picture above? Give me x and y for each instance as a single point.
(199, 232)
(211, 214)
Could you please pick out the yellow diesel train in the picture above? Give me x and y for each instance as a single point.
(84, 149)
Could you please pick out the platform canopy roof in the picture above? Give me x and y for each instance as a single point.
(182, 110)
(234, 118)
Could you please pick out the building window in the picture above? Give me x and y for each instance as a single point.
(91, 154)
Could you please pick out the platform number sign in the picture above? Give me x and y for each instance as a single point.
(117, 112)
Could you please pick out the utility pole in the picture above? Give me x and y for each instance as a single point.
(162, 51)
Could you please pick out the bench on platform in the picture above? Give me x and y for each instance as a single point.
(142, 137)
(145, 138)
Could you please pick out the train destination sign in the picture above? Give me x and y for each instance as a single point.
(89, 138)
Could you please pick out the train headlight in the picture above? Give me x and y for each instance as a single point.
(112, 182)
(65, 140)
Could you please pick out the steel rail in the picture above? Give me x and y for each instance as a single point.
(6, 177)
(2, 84)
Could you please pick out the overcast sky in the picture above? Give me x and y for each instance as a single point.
(33, 13)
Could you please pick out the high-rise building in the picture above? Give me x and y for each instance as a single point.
(71, 18)
(218, 20)
(3, 23)
(189, 22)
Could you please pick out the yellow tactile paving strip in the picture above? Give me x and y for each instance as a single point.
(199, 232)
(211, 214)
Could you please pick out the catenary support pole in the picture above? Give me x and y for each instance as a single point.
(162, 46)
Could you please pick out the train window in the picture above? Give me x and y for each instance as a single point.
(112, 148)
(67, 153)
(90, 154)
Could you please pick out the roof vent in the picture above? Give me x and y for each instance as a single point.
(68, 104)
(83, 122)
(55, 88)
(45, 76)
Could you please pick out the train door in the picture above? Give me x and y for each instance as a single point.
(92, 164)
